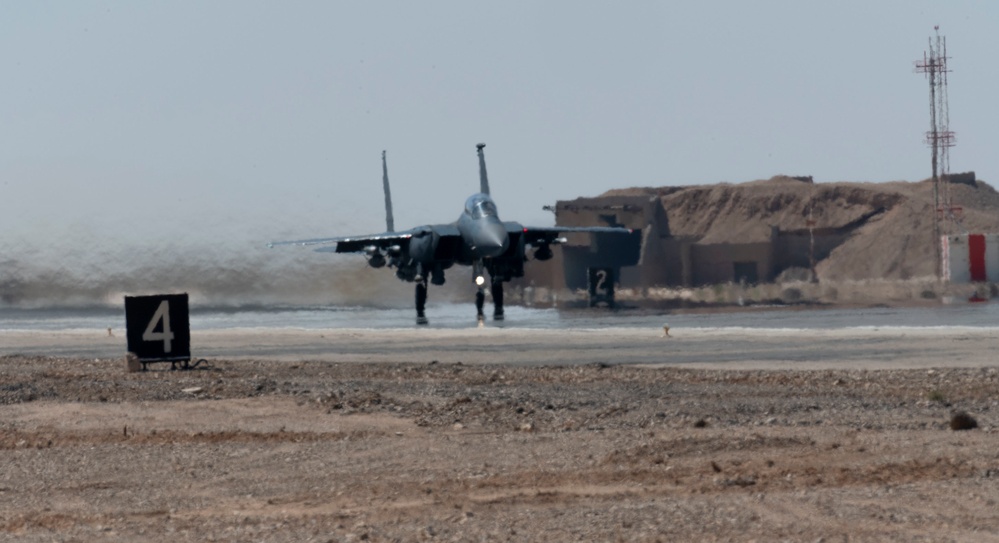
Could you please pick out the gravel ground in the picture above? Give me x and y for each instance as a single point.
(277, 450)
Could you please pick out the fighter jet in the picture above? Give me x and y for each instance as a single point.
(478, 239)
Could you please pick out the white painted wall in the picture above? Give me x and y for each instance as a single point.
(957, 260)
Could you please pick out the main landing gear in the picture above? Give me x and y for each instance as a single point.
(497, 300)
(421, 302)
(480, 301)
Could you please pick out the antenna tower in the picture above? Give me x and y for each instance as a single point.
(940, 138)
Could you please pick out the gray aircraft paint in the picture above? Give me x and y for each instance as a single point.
(389, 221)
(478, 238)
(483, 179)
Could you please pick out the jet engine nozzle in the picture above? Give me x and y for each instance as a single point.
(375, 257)
(543, 252)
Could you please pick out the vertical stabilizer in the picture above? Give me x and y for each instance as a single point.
(389, 221)
(483, 179)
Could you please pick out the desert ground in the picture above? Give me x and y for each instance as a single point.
(504, 435)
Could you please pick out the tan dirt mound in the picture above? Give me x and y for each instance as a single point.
(890, 225)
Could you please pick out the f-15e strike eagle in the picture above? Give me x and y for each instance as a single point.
(478, 239)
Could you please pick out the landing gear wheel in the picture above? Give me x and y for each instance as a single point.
(480, 300)
(421, 302)
(497, 300)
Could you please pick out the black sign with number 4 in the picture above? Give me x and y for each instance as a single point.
(157, 327)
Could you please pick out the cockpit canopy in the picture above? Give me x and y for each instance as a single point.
(480, 205)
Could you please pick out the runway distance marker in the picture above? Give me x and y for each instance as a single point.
(601, 286)
(158, 329)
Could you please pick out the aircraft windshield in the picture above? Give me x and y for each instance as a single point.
(479, 206)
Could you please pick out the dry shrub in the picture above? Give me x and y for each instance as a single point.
(962, 421)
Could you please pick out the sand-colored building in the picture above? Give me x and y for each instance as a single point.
(755, 232)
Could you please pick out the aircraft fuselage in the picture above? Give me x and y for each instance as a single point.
(478, 239)
(483, 233)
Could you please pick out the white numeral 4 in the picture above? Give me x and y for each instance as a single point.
(166, 336)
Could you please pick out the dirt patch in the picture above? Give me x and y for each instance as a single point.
(320, 450)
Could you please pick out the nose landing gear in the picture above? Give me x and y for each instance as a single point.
(480, 301)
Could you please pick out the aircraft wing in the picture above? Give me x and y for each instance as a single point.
(540, 235)
(357, 244)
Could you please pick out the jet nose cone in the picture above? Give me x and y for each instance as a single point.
(491, 240)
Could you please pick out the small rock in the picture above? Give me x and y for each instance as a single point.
(740, 481)
(962, 421)
(132, 363)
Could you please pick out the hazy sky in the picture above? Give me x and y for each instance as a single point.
(235, 122)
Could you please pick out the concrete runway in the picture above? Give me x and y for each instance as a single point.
(695, 348)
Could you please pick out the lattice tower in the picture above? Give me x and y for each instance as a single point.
(940, 138)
